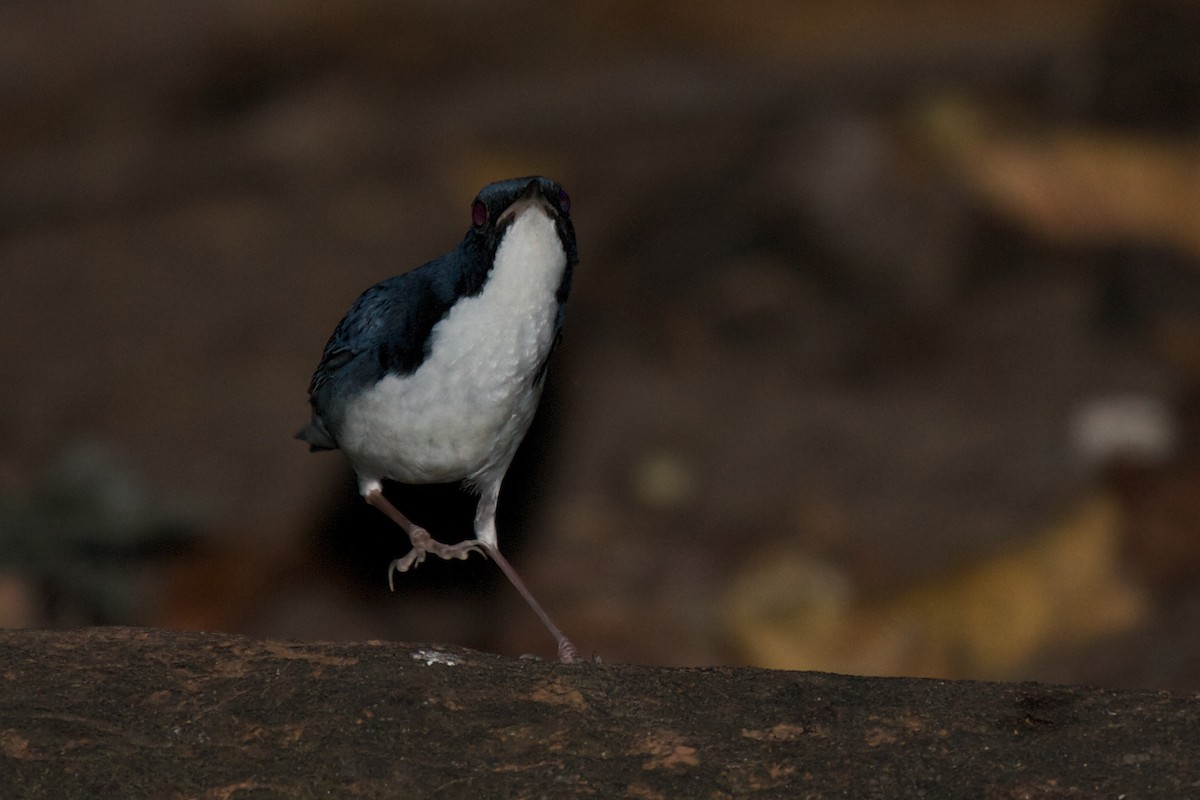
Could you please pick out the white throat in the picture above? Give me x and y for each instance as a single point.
(530, 259)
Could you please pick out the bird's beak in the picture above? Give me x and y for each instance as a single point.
(531, 189)
(531, 196)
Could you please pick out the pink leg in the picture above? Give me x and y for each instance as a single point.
(485, 533)
(567, 653)
(422, 542)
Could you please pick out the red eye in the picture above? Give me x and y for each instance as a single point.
(564, 201)
(479, 213)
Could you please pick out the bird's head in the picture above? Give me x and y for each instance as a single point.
(498, 205)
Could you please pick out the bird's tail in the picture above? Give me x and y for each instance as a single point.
(316, 435)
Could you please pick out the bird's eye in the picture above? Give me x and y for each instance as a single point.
(564, 201)
(479, 213)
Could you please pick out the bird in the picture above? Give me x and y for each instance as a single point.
(434, 375)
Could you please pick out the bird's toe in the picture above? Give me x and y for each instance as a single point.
(404, 564)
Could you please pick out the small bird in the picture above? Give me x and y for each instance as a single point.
(434, 376)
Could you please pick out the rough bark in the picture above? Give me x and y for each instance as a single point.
(147, 713)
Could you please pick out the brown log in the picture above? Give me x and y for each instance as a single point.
(121, 712)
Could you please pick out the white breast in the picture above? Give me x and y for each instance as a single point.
(462, 413)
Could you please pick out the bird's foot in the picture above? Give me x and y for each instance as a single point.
(424, 544)
(567, 654)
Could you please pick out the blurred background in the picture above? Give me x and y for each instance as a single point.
(883, 355)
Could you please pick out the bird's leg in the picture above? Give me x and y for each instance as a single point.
(485, 535)
(422, 542)
(567, 653)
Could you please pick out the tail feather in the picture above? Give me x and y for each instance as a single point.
(317, 436)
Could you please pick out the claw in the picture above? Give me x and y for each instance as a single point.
(567, 654)
(424, 544)
(404, 564)
(463, 552)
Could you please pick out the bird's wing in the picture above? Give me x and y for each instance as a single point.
(356, 334)
(345, 364)
(387, 329)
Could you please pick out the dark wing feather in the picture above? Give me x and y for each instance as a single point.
(386, 331)
(361, 331)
